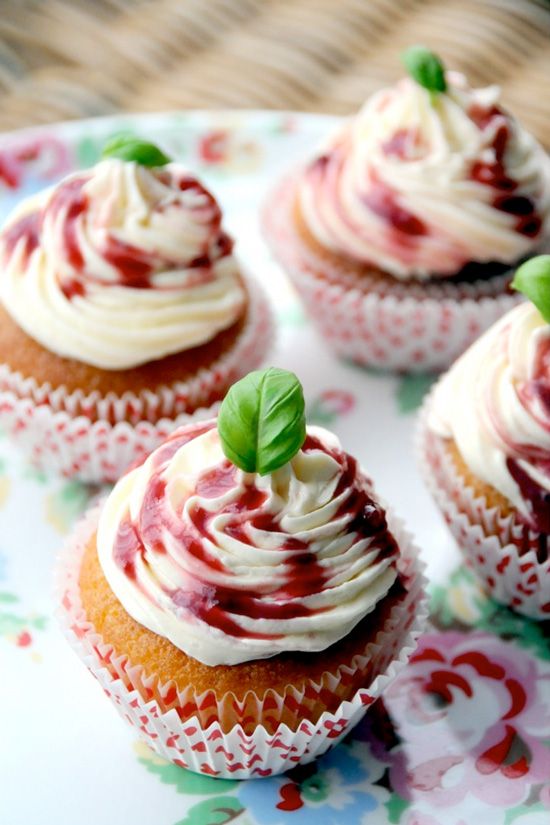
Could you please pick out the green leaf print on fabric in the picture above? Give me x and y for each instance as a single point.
(396, 807)
(34, 474)
(315, 789)
(463, 603)
(15, 628)
(184, 781)
(411, 390)
(537, 814)
(291, 315)
(217, 810)
(88, 151)
(66, 503)
(329, 406)
(11, 624)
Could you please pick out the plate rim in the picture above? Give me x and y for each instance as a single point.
(71, 125)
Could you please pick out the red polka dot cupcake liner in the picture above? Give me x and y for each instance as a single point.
(94, 438)
(512, 561)
(183, 727)
(401, 326)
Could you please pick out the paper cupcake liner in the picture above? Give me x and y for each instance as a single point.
(95, 438)
(504, 553)
(185, 728)
(401, 326)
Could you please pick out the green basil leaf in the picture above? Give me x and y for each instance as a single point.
(533, 279)
(426, 68)
(262, 422)
(131, 148)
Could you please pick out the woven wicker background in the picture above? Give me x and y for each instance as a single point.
(61, 59)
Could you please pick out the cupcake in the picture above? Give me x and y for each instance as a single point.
(485, 449)
(242, 595)
(123, 312)
(401, 231)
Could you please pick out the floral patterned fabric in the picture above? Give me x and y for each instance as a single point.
(463, 734)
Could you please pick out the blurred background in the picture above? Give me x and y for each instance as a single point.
(61, 59)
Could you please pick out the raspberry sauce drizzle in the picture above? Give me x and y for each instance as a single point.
(25, 231)
(534, 396)
(404, 144)
(68, 210)
(382, 200)
(68, 198)
(494, 174)
(134, 266)
(365, 516)
(209, 591)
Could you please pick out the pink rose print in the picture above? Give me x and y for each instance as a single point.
(24, 639)
(288, 124)
(471, 713)
(213, 146)
(44, 157)
(330, 405)
(338, 401)
(228, 149)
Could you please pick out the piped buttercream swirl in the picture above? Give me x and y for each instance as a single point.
(421, 185)
(495, 404)
(232, 566)
(120, 265)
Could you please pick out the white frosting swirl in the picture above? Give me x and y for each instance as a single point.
(232, 566)
(495, 403)
(419, 185)
(120, 265)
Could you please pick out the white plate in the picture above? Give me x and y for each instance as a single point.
(66, 759)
